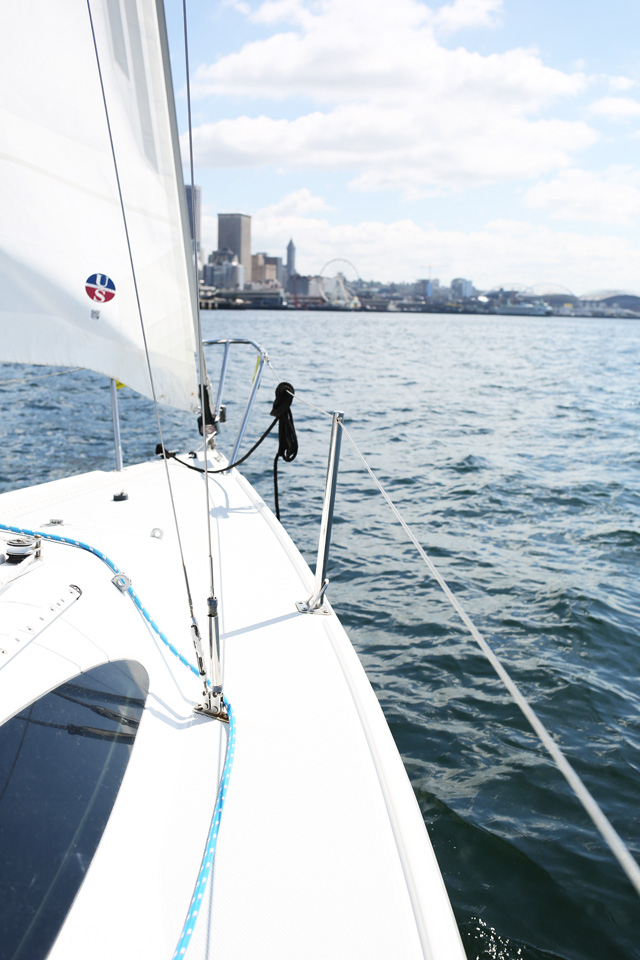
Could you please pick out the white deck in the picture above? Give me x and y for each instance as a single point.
(322, 850)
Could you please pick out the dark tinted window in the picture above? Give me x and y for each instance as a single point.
(61, 764)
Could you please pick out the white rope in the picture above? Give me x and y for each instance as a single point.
(611, 837)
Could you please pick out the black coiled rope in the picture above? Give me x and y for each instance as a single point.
(287, 440)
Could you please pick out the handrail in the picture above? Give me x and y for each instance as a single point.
(263, 357)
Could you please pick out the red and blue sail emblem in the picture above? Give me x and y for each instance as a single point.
(100, 288)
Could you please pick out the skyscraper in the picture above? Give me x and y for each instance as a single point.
(291, 258)
(193, 206)
(234, 232)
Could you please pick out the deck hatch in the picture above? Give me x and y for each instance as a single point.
(62, 760)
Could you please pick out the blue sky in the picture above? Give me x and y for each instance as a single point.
(495, 140)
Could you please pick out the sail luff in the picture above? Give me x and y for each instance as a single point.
(67, 292)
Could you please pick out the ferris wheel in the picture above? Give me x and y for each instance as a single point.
(337, 288)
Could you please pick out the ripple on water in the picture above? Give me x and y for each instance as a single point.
(511, 446)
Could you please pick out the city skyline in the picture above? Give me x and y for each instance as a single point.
(487, 138)
(236, 236)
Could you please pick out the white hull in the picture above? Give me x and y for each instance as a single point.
(322, 850)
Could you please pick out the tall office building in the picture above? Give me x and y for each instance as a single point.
(234, 232)
(193, 207)
(291, 258)
(461, 289)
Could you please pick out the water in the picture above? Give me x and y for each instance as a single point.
(511, 447)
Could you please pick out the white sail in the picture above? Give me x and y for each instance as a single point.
(67, 294)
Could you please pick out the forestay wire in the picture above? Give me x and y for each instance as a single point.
(605, 828)
(202, 370)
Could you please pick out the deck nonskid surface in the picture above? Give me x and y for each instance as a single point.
(322, 851)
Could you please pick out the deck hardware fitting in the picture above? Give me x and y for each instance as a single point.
(121, 581)
(213, 706)
(315, 604)
(212, 703)
(21, 548)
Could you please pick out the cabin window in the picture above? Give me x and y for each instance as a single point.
(62, 760)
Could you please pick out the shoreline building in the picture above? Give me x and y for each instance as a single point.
(223, 271)
(266, 269)
(234, 233)
(461, 289)
(291, 259)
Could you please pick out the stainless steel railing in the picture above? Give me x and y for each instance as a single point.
(315, 603)
(262, 359)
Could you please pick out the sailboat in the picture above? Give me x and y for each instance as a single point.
(192, 760)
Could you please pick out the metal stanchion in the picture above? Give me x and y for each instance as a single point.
(315, 603)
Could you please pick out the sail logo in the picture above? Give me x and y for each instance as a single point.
(100, 288)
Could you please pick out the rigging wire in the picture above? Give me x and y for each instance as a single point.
(607, 831)
(212, 603)
(201, 362)
(307, 403)
(139, 306)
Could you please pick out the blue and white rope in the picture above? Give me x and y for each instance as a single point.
(210, 850)
(116, 570)
(209, 853)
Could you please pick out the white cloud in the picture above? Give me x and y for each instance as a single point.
(275, 11)
(468, 13)
(612, 196)
(398, 150)
(403, 249)
(616, 108)
(349, 50)
(619, 84)
(238, 5)
(394, 106)
(296, 204)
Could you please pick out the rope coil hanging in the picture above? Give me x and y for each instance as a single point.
(287, 440)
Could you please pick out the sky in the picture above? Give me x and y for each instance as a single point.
(494, 140)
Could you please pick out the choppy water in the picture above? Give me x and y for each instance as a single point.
(511, 445)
